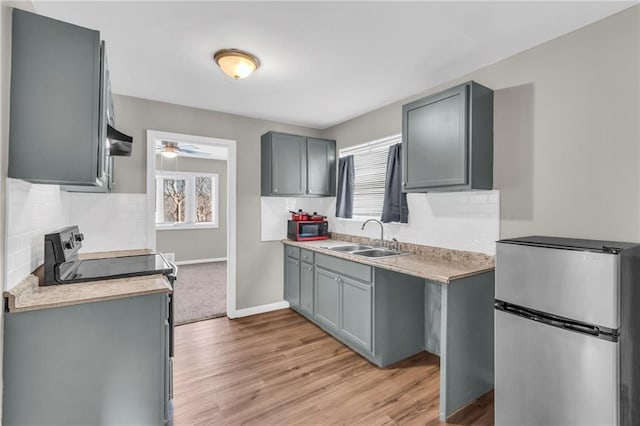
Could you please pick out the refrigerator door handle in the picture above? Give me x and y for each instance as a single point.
(552, 320)
(587, 329)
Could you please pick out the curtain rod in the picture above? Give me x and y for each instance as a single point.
(368, 145)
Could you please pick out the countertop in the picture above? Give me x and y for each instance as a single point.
(431, 263)
(28, 295)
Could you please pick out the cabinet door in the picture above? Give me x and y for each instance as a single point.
(288, 164)
(435, 140)
(55, 98)
(356, 312)
(292, 281)
(327, 298)
(321, 160)
(306, 288)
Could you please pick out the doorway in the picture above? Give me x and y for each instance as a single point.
(191, 204)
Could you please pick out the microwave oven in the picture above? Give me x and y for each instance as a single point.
(307, 230)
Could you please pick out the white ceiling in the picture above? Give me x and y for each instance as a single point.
(322, 63)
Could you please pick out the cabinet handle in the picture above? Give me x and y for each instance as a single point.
(309, 268)
(295, 263)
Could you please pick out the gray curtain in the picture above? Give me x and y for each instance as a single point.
(395, 208)
(346, 186)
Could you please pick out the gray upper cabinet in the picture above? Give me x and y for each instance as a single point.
(293, 165)
(321, 166)
(448, 140)
(57, 129)
(286, 160)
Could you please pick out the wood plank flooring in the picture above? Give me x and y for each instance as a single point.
(279, 369)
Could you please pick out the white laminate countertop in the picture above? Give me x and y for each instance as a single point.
(432, 263)
(29, 295)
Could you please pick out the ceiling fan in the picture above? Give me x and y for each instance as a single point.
(170, 149)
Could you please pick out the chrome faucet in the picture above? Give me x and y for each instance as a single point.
(381, 229)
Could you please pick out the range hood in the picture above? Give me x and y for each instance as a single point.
(119, 143)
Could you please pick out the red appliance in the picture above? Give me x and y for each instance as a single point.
(307, 230)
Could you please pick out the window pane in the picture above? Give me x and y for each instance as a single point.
(204, 203)
(174, 200)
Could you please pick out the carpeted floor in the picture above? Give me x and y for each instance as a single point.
(200, 292)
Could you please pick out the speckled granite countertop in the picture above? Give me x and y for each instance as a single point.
(432, 263)
(29, 296)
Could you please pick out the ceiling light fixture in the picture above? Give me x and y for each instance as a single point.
(169, 150)
(236, 63)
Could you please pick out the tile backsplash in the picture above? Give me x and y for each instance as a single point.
(108, 221)
(32, 211)
(274, 213)
(464, 220)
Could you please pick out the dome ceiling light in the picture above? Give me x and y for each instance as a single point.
(236, 63)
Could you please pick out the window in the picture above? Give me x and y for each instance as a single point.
(370, 169)
(186, 200)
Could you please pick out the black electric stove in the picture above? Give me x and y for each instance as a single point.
(62, 265)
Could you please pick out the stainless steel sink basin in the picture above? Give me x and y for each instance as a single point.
(351, 248)
(378, 253)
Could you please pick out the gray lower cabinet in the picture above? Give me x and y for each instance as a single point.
(294, 165)
(327, 298)
(447, 140)
(306, 288)
(292, 281)
(377, 313)
(104, 363)
(356, 312)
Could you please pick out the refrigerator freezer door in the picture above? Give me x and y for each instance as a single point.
(549, 376)
(580, 285)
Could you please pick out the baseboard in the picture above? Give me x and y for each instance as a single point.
(254, 310)
(194, 262)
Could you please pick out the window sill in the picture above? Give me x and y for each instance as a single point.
(183, 226)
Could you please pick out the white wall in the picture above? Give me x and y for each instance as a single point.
(566, 132)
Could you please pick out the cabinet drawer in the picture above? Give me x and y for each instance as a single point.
(306, 255)
(344, 267)
(292, 252)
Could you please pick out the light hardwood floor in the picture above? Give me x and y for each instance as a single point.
(280, 369)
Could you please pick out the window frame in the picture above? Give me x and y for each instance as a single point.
(190, 201)
(353, 150)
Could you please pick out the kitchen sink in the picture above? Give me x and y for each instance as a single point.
(378, 253)
(351, 248)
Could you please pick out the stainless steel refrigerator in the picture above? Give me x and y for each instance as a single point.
(567, 332)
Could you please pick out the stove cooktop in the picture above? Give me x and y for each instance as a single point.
(62, 265)
(111, 268)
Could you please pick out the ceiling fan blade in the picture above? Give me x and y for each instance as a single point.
(195, 152)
